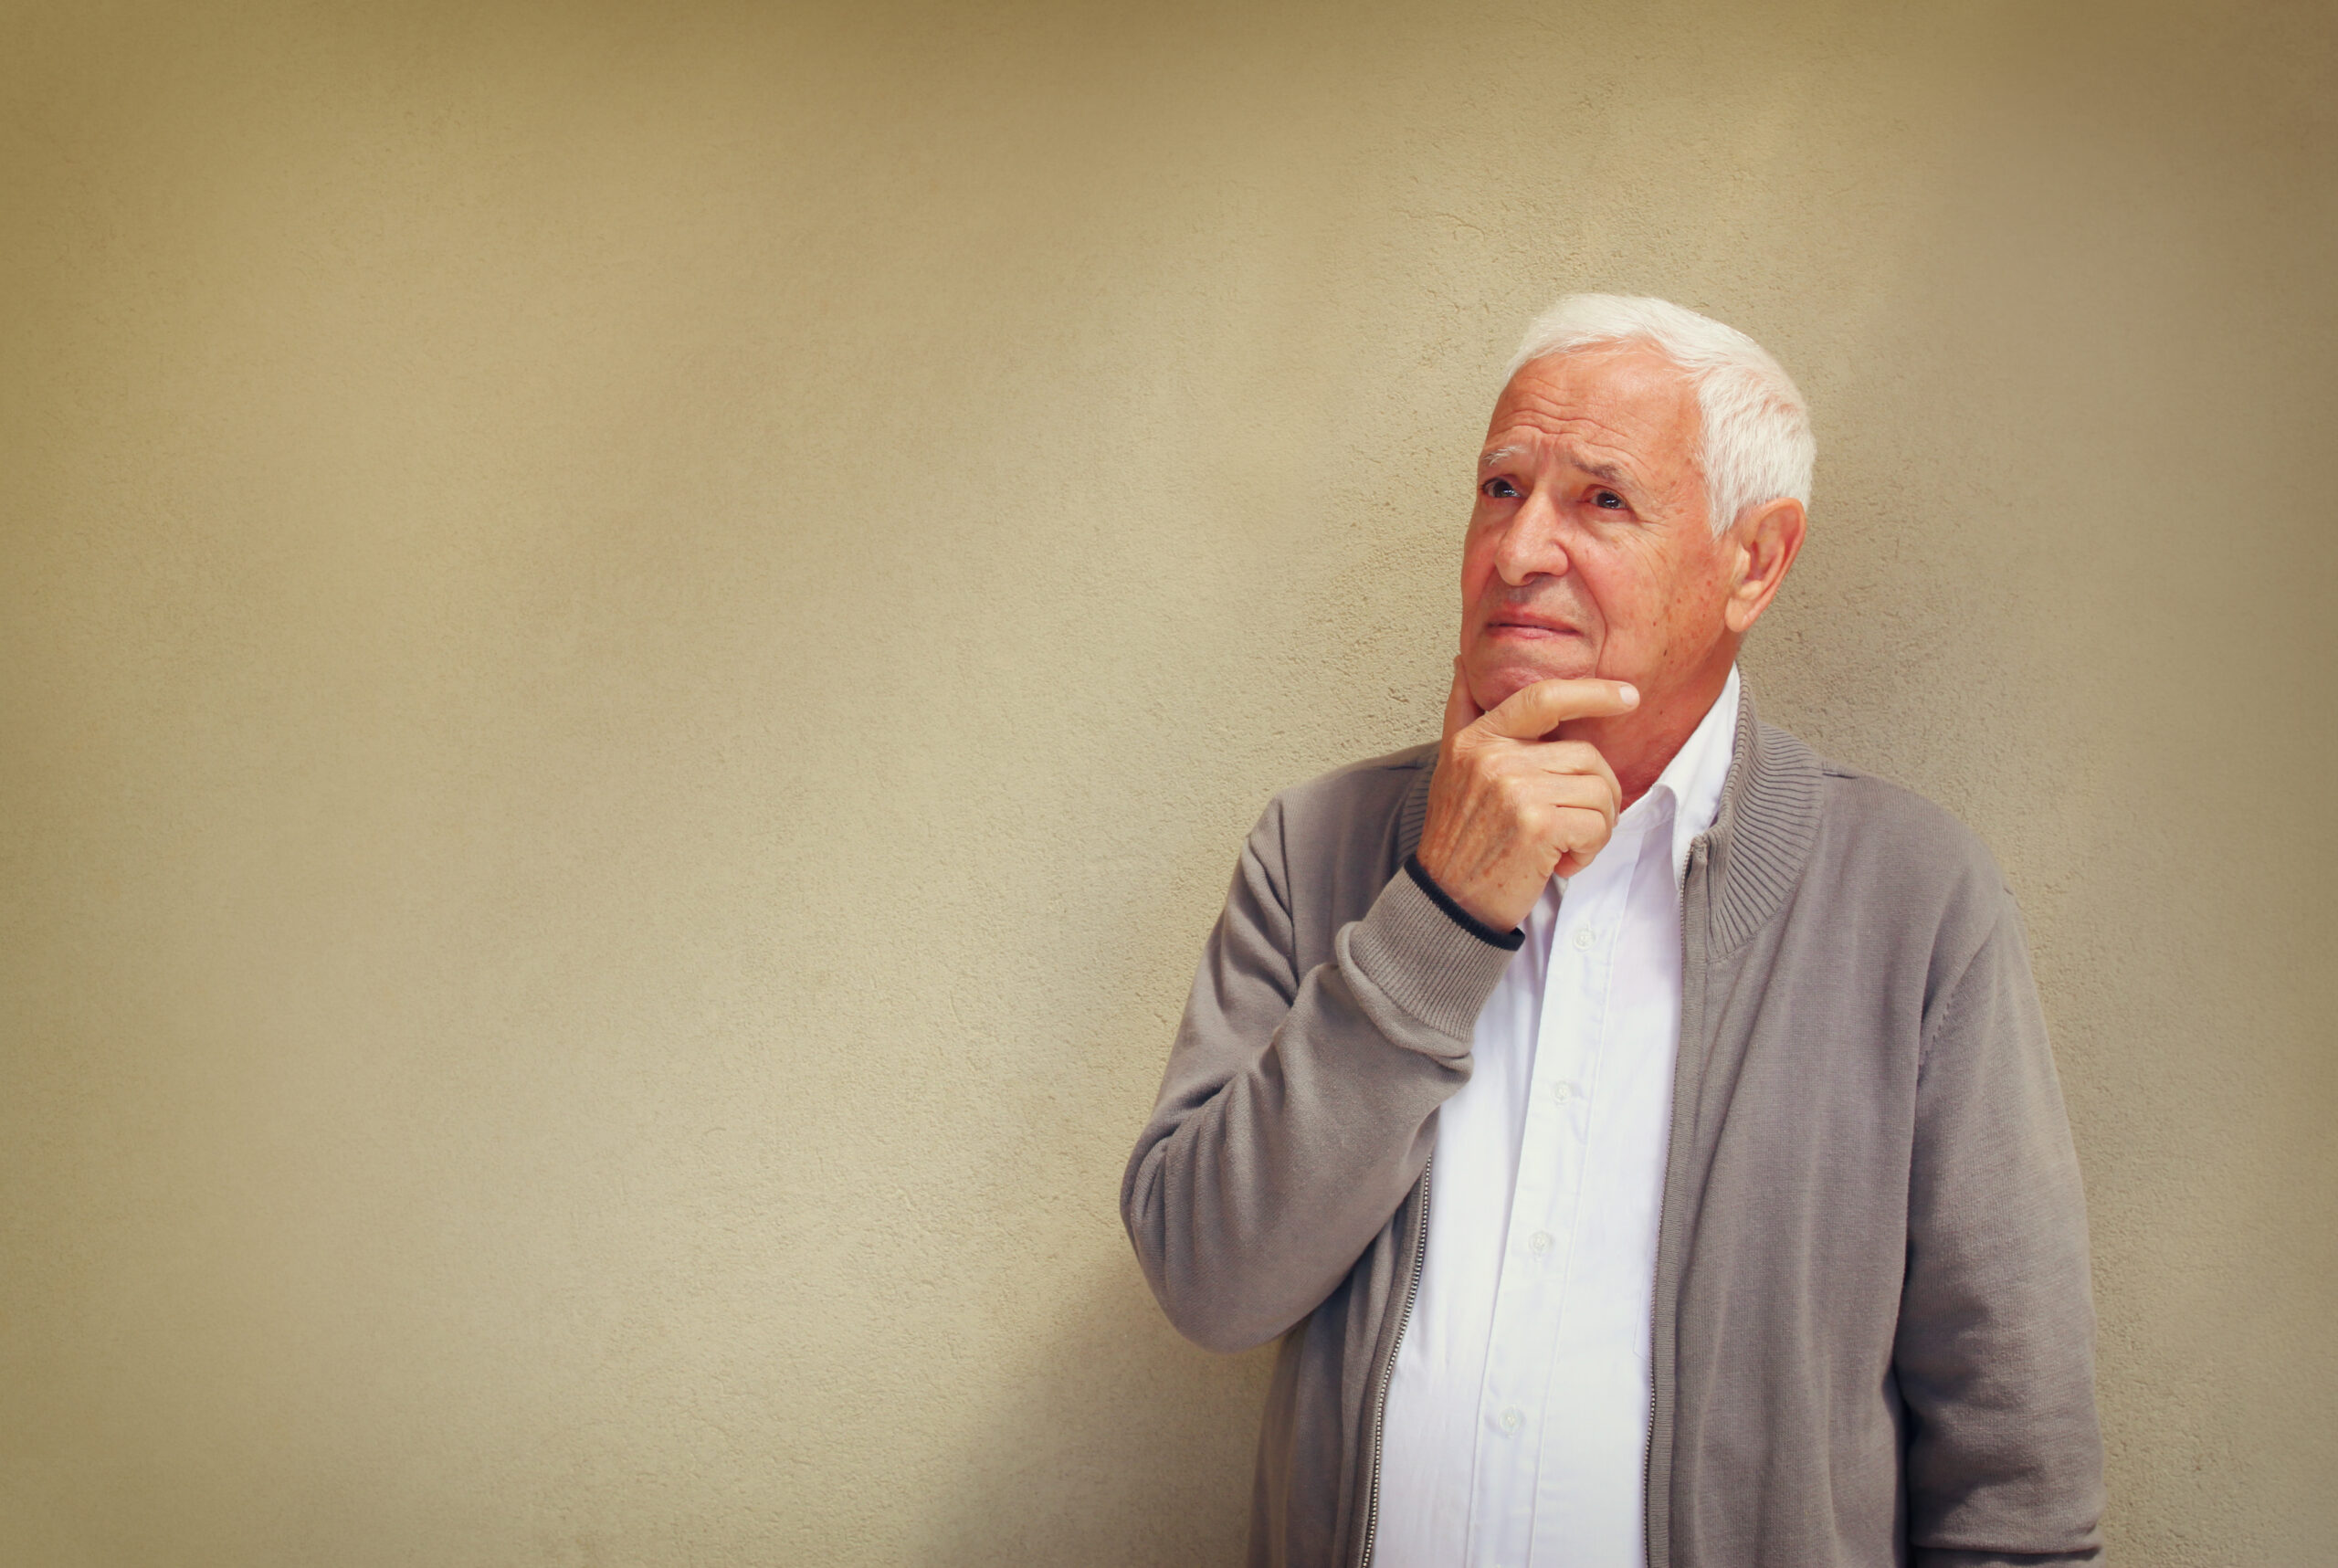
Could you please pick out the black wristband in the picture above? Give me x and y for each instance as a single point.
(1509, 940)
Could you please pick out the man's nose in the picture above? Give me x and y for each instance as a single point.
(1531, 546)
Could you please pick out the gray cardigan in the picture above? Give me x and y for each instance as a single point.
(1873, 1336)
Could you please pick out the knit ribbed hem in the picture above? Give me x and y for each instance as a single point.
(1424, 961)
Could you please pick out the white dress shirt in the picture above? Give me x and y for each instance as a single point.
(1518, 1416)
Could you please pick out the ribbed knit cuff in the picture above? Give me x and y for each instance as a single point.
(1425, 961)
(1507, 940)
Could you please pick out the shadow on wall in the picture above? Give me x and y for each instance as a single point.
(1120, 1444)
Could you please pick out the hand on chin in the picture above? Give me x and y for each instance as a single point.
(1498, 673)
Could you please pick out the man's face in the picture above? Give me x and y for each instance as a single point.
(1590, 551)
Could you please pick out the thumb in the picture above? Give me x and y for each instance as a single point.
(1461, 710)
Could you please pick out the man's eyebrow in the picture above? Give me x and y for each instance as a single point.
(1607, 473)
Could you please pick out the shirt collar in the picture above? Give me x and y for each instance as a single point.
(1689, 785)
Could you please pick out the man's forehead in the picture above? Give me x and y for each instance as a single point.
(1598, 409)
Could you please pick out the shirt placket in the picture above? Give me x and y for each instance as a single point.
(1544, 1216)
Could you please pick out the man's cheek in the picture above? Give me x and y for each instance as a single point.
(1475, 569)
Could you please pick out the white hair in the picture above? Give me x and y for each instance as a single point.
(1758, 446)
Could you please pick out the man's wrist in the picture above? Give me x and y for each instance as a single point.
(1509, 940)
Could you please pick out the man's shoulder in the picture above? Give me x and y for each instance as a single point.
(1883, 834)
(1341, 812)
(1360, 787)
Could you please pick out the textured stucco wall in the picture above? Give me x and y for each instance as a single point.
(633, 641)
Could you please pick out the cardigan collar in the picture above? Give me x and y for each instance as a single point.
(1767, 823)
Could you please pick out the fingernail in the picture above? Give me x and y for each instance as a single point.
(1629, 693)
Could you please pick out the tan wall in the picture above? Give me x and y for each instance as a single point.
(634, 642)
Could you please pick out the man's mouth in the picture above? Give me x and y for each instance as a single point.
(1530, 627)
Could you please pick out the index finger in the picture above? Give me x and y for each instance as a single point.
(1534, 711)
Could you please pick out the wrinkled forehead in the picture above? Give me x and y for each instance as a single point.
(1614, 401)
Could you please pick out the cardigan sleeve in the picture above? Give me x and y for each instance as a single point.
(1994, 1349)
(1294, 1115)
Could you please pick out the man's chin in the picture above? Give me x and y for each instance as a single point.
(1495, 683)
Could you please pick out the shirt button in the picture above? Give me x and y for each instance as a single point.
(1562, 1092)
(1510, 1420)
(1584, 938)
(1541, 1241)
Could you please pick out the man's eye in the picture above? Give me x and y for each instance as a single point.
(1501, 489)
(1609, 500)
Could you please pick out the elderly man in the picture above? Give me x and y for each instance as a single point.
(1640, 1131)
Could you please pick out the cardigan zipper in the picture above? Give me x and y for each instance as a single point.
(1697, 850)
(1389, 1373)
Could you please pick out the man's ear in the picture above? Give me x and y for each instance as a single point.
(1762, 544)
